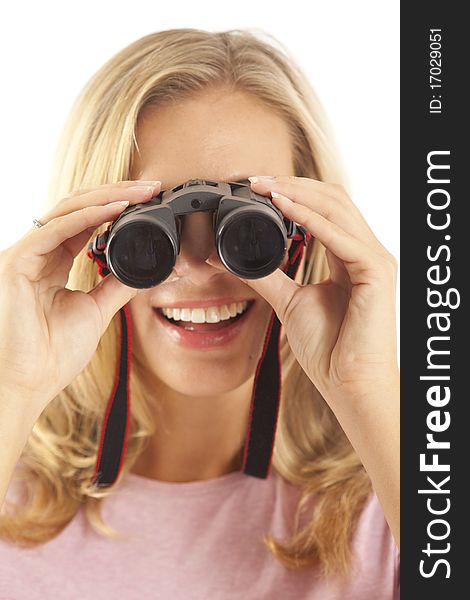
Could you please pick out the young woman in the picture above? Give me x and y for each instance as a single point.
(183, 520)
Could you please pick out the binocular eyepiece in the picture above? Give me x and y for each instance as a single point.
(140, 247)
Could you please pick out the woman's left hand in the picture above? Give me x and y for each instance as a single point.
(342, 330)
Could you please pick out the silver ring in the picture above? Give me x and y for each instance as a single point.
(37, 224)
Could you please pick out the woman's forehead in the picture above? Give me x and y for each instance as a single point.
(214, 136)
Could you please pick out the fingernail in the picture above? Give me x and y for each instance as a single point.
(278, 196)
(151, 183)
(261, 179)
(142, 188)
(119, 203)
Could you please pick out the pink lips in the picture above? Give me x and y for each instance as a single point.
(201, 338)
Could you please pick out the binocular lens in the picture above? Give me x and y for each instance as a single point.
(142, 254)
(251, 246)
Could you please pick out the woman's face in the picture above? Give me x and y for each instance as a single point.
(221, 136)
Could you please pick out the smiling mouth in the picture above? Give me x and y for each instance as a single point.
(205, 319)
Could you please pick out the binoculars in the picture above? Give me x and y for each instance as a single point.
(140, 247)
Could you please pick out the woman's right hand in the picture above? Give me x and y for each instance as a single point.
(49, 333)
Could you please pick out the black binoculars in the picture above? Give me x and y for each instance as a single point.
(140, 247)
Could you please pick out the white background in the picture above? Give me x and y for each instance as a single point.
(349, 51)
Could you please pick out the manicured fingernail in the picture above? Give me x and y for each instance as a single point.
(118, 204)
(261, 179)
(142, 188)
(150, 183)
(278, 196)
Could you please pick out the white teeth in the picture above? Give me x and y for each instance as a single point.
(224, 312)
(213, 314)
(186, 314)
(198, 315)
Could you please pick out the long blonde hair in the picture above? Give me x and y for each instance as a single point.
(97, 146)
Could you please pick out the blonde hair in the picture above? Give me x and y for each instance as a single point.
(98, 146)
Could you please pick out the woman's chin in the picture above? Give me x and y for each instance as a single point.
(203, 383)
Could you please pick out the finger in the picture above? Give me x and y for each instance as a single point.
(75, 244)
(338, 272)
(121, 184)
(359, 259)
(110, 295)
(101, 196)
(60, 229)
(277, 288)
(329, 200)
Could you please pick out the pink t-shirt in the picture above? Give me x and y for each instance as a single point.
(198, 540)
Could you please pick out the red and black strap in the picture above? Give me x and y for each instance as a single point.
(264, 402)
(115, 428)
(266, 395)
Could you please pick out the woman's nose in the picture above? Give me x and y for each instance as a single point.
(197, 244)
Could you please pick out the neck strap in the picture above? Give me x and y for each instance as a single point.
(265, 398)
